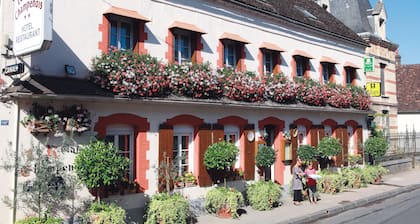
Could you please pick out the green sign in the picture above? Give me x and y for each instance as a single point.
(368, 64)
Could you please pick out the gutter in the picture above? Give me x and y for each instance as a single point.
(296, 22)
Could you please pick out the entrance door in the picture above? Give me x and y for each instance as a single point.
(122, 138)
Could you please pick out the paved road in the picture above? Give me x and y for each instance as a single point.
(402, 209)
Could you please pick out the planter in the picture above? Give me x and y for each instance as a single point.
(224, 213)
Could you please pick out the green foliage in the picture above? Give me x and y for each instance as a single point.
(330, 182)
(100, 164)
(307, 153)
(100, 213)
(166, 208)
(372, 173)
(224, 198)
(376, 147)
(329, 147)
(266, 156)
(220, 155)
(354, 160)
(353, 177)
(263, 195)
(37, 220)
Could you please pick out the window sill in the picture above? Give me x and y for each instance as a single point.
(384, 97)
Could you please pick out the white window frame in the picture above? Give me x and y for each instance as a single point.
(119, 21)
(350, 72)
(301, 131)
(230, 45)
(268, 54)
(184, 130)
(120, 129)
(178, 35)
(233, 130)
(328, 131)
(300, 62)
(326, 72)
(350, 144)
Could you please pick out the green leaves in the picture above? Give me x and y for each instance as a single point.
(263, 195)
(266, 156)
(307, 153)
(376, 147)
(166, 208)
(329, 147)
(220, 155)
(100, 164)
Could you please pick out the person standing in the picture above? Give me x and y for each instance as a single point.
(297, 182)
(311, 182)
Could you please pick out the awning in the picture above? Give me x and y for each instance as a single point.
(302, 53)
(350, 64)
(186, 26)
(270, 46)
(328, 59)
(234, 37)
(126, 13)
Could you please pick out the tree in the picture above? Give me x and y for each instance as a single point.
(329, 147)
(266, 156)
(100, 164)
(307, 153)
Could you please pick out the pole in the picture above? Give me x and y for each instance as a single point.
(16, 161)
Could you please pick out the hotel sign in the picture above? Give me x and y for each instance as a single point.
(13, 69)
(368, 64)
(33, 23)
(373, 88)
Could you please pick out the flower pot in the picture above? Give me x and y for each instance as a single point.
(224, 213)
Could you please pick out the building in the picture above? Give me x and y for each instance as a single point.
(370, 23)
(296, 38)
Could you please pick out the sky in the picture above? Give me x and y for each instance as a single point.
(403, 27)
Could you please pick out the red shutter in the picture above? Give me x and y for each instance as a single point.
(204, 134)
(359, 140)
(293, 145)
(166, 135)
(249, 157)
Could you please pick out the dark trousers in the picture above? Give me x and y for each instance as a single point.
(297, 195)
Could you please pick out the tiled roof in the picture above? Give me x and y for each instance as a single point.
(354, 14)
(304, 12)
(408, 88)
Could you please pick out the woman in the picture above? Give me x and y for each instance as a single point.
(297, 182)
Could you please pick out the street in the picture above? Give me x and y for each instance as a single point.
(404, 208)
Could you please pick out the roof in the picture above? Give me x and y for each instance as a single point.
(353, 13)
(408, 88)
(302, 12)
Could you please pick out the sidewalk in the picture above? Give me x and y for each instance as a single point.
(328, 205)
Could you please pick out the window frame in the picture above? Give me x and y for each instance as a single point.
(177, 35)
(179, 132)
(272, 62)
(350, 75)
(301, 64)
(230, 130)
(382, 68)
(118, 20)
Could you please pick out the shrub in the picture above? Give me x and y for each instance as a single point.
(266, 156)
(220, 198)
(100, 213)
(330, 182)
(100, 164)
(166, 208)
(329, 147)
(220, 155)
(37, 220)
(372, 173)
(376, 147)
(353, 177)
(307, 153)
(263, 195)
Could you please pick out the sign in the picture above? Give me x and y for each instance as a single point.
(368, 64)
(13, 69)
(33, 23)
(373, 88)
(4, 123)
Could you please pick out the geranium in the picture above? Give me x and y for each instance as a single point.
(360, 98)
(195, 80)
(242, 86)
(338, 96)
(311, 92)
(280, 90)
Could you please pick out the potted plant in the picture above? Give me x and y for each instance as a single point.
(224, 202)
(375, 147)
(100, 164)
(99, 213)
(307, 153)
(36, 220)
(218, 158)
(189, 179)
(166, 208)
(266, 156)
(327, 148)
(263, 195)
(373, 174)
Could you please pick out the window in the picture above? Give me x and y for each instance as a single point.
(182, 47)
(350, 75)
(121, 34)
(382, 72)
(232, 136)
(230, 54)
(269, 61)
(301, 65)
(350, 144)
(327, 72)
(182, 153)
(122, 138)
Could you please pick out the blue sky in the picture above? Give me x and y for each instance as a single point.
(403, 27)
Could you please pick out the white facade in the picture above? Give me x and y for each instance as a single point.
(77, 35)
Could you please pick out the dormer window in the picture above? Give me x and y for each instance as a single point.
(381, 21)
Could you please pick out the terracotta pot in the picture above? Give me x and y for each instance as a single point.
(224, 213)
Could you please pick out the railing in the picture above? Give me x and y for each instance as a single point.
(403, 143)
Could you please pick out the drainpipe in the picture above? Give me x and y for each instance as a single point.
(16, 160)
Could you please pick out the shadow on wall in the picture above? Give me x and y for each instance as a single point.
(52, 61)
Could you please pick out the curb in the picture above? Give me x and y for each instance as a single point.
(310, 218)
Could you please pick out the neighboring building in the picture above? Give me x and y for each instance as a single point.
(408, 89)
(370, 24)
(294, 37)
